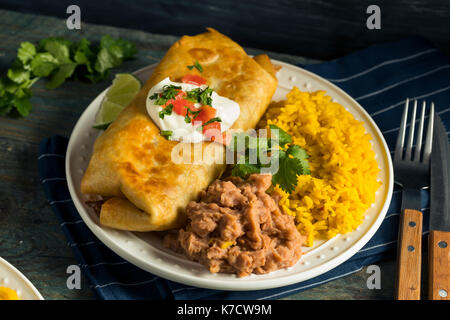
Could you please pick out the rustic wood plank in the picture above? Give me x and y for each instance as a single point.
(318, 29)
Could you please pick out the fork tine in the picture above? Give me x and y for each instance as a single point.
(401, 133)
(411, 132)
(429, 138)
(420, 134)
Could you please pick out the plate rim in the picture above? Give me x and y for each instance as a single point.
(23, 278)
(245, 285)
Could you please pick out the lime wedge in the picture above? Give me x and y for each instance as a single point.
(122, 91)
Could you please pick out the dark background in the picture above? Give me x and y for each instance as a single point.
(311, 28)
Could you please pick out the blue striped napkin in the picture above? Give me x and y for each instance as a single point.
(380, 78)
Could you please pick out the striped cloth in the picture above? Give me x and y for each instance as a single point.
(380, 78)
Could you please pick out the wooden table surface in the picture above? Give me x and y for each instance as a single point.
(30, 235)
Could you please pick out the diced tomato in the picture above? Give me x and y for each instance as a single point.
(212, 131)
(206, 114)
(193, 79)
(180, 104)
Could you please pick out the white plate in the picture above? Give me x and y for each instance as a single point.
(145, 251)
(12, 278)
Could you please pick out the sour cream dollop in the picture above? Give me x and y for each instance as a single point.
(226, 109)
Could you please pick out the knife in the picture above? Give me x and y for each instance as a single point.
(439, 238)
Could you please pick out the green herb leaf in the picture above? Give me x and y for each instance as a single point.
(62, 73)
(127, 48)
(283, 137)
(243, 170)
(167, 134)
(289, 169)
(199, 95)
(216, 119)
(58, 48)
(169, 92)
(26, 52)
(112, 53)
(60, 60)
(167, 111)
(154, 96)
(197, 66)
(194, 113)
(291, 161)
(23, 105)
(43, 64)
(18, 75)
(84, 55)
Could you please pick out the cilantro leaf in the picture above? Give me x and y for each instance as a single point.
(23, 105)
(297, 152)
(291, 160)
(243, 169)
(194, 113)
(167, 111)
(18, 75)
(127, 48)
(283, 137)
(63, 72)
(197, 66)
(84, 55)
(199, 95)
(167, 134)
(216, 119)
(43, 64)
(58, 48)
(26, 52)
(105, 61)
(112, 52)
(289, 169)
(300, 154)
(169, 92)
(154, 96)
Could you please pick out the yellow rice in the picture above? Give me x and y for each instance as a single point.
(343, 180)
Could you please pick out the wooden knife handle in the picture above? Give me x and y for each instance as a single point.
(409, 256)
(439, 265)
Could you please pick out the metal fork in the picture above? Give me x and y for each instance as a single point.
(412, 172)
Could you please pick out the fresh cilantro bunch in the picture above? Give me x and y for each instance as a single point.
(292, 159)
(58, 59)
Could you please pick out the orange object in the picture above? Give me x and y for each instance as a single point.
(180, 103)
(213, 131)
(8, 294)
(193, 79)
(206, 114)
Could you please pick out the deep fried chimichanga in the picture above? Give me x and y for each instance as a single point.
(131, 162)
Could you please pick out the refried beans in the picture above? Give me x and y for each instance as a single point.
(237, 227)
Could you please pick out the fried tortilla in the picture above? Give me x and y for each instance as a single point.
(131, 164)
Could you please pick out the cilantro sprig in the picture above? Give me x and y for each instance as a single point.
(292, 159)
(197, 66)
(216, 119)
(58, 60)
(168, 92)
(167, 111)
(199, 95)
(167, 134)
(193, 113)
